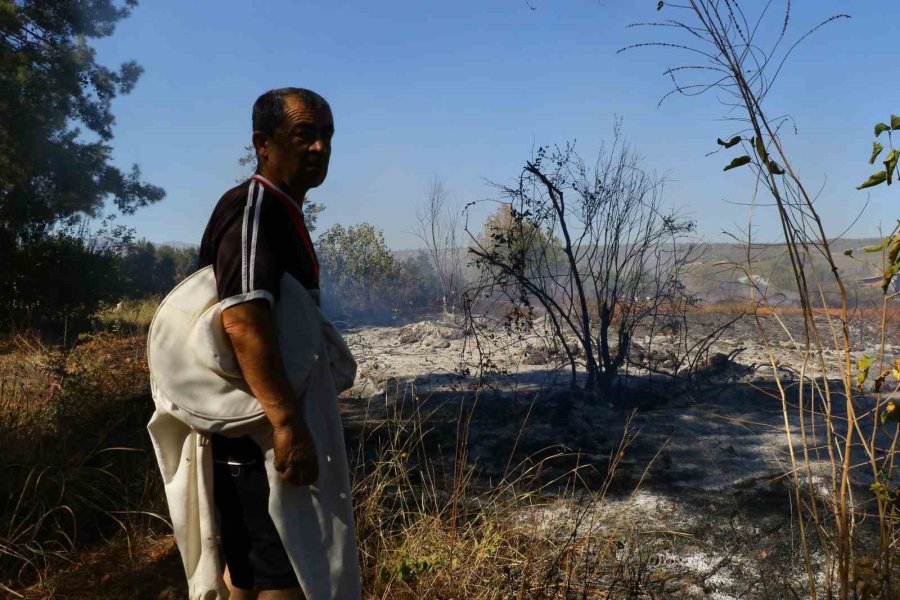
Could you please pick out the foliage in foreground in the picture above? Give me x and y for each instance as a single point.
(742, 69)
(75, 464)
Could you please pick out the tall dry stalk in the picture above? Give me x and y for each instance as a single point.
(731, 47)
(437, 225)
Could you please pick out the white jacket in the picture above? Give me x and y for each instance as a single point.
(315, 522)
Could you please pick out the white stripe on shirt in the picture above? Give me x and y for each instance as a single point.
(259, 199)
(247, 207)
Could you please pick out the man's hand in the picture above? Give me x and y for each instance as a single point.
(295, 454)
(250, 328)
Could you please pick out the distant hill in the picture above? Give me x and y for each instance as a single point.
(176, 245)
(719, 271)
(407, 253)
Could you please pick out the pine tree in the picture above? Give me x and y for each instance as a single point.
(50, 88)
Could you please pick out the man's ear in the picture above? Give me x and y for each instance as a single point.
(261, 144)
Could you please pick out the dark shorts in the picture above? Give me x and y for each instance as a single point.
(253, 550)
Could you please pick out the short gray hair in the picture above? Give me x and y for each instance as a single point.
(268, 110)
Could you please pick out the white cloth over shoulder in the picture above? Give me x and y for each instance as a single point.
(315, 522)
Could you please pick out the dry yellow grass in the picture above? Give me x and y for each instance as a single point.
(129, 317)
(83, 522)
(73, 467)
(79, 471)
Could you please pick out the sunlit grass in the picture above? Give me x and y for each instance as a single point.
(130, 317)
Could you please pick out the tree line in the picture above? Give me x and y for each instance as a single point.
(57, 264)
(53, 177)
(575, 245)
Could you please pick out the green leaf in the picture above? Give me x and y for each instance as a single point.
(891, 413)
(889, 275)
(879, 247)
(890, 164)
(874, 180)
(895, 122)
(761, 150)
(894, 252)
(775, 169)
(881, 492)
(57, 79)
(876, 150)
(732, 142)
(863, 365)
(881, 127)
(864, 362)
(738, 162)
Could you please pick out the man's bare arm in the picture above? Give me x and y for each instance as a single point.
(251, 329)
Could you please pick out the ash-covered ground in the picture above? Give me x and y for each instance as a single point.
(696, 469)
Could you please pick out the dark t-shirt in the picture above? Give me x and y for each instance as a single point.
(256, 234)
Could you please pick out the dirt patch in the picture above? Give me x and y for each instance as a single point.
(139, 569)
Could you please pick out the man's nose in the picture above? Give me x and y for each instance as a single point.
(319, 145)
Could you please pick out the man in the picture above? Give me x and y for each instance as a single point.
(256, 234)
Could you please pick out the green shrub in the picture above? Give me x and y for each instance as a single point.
(56, 282)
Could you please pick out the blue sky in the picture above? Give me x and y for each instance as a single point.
(467, 89)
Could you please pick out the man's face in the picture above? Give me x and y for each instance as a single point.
(298, 152)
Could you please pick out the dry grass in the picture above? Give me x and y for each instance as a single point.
(129, 317)
(868, 314)
(127, 566)
(859, 413)
(429, 530)
(83, 499)
(81, 526)
(83, 495)
(73, 468)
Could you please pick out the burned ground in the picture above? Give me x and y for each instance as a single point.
(703, 461)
